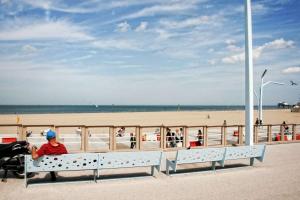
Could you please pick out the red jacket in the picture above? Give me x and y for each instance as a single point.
(48, 149)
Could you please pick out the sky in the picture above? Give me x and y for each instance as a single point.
(150, 52)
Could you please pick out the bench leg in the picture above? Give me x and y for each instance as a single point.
(167, 168)
(170, 164)
(4, 178)
(152, 170)
(25, 179)
(95, 175)
(251, 161)
(213, 165)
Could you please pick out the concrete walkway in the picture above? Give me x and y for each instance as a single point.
(277, 178)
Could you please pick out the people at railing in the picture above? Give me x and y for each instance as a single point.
(51, 148)
(121, 132)
(200, 137)
(170, 137)
(285, 127)
(132, 141)
(179, 137)
(78, 131)
(258, 122)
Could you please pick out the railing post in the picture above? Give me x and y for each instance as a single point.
(23, 133)
(205, 136)
(223, 132)
(294, 132)
(84, 139)
(255, 134)
(281, 133)
(163, 138)
(138, 138)
(161, 131)
(185, 137)
(112, 139)
(56, 129)
(240, 130)
(269, 133)
(19, 132)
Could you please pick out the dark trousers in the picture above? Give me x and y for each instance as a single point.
(53, 176)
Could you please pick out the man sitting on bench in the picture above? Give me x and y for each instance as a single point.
(51, 148)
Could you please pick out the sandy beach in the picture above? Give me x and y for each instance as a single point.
(152, 118)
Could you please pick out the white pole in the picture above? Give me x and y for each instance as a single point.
(260, 99)
(248, 74)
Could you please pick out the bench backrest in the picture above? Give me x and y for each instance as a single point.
(65, 162)
(129, 159)
(199, 155)
(255, 151)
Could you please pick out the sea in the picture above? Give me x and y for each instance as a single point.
(44, 109)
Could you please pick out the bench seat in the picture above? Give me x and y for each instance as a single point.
(65, 162)
(113, 160)
(196, 156)
(216, 155)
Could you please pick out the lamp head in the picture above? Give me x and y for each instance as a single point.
(264, 73)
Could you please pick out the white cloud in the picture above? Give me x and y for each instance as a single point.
(291, 70)
(58, 6)
(233, 48)
(120, 44)
(190, 22)
(160, 9)
(257, 52)
(279, 44)
(142, 27)
(212, 62)
(29, 49)
(5, 1)
(42, 30)
(230, 41)
(123, 27)
(163, 34)
(234, 59)
(211, 50)
(257, 9)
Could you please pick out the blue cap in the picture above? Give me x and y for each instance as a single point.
(50, 134)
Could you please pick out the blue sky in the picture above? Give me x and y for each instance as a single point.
(145, 52)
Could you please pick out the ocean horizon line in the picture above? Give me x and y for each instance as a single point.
(52, 109)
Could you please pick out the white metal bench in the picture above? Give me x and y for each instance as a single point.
(214, 155)
(93, 161)
(65, 162)
(245, 152)
(196, 156)
(113, 160)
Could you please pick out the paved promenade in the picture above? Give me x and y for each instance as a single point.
(277, 178)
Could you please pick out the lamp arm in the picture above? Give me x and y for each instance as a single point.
(274, 82)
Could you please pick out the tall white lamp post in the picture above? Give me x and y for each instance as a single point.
(248, 74)
(262, 85)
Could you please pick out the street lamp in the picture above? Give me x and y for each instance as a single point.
(262, 85)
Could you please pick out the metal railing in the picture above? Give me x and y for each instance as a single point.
(82, 138)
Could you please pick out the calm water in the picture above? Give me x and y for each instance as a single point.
(42, 109)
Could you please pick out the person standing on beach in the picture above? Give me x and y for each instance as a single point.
(132, 141)
(121, 132)
(200, 137)
(257, 122)
(170, 137)
(51, 148)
